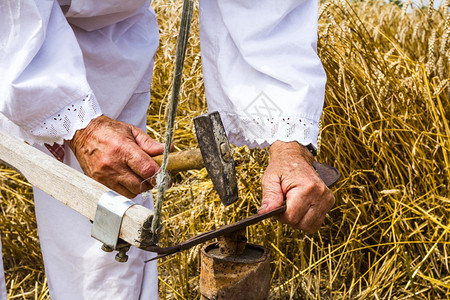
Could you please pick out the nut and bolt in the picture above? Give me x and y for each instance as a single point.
(121, 256)
(107, 248)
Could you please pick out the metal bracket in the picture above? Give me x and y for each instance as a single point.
(108, 218)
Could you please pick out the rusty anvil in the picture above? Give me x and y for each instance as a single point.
(216, 152)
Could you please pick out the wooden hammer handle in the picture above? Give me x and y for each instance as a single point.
(182, 160)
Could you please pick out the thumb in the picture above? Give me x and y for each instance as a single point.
(273, 196)
(147, 144)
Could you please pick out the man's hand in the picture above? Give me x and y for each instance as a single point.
(117, 155)
(290, 176)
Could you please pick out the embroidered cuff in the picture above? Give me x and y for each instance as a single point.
(264, 130)
(62, 125)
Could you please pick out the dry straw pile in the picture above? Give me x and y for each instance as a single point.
(385, 126)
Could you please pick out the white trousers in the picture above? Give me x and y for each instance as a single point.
(2, 276)
(77, 268)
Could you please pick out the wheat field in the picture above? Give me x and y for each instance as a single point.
(385, 126)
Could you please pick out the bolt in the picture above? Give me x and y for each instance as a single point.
(122, 256)
(107, 248)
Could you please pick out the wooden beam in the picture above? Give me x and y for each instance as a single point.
(71, 187)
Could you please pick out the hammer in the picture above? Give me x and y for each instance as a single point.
(214, 154)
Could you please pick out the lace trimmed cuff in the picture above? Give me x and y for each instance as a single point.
(263, 131)
(63, 124)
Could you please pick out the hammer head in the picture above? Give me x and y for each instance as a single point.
(216, 153)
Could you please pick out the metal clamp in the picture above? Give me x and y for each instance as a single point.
(111, 208)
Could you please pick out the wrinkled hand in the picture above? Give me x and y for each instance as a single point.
(290, 176)
(117, 155)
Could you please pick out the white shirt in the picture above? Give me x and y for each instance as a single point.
(261, 69)
(259, 61)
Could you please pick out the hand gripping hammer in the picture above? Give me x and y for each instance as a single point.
(214, 154)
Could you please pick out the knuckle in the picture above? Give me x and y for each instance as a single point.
(149, 169)
(316, 187)
(104, 162)
(151, 181)
(332, 199)
(328, 198)
(310, 187)
(291, 218)
(133, 188)
(116, 146)
(145, 186)
(99, 174)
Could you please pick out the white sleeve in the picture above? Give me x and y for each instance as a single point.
(63, 124)
(261, 69)
(41, 67)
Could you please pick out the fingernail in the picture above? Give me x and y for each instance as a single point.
(263, 207)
